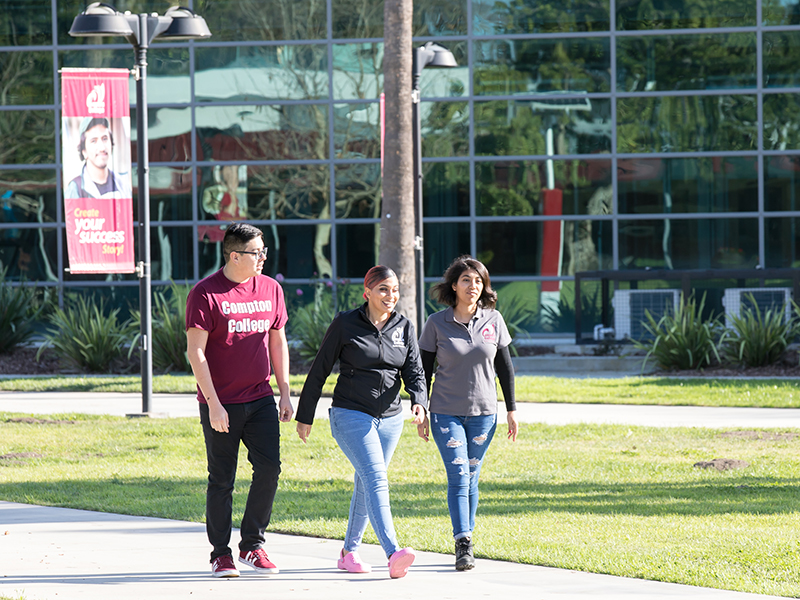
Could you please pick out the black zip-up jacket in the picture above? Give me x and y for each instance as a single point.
(372, 363)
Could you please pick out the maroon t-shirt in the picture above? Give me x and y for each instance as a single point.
(238, 318)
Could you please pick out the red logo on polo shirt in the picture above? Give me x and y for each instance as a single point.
(488, 334)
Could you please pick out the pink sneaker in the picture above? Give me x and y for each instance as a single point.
(259, 560)
(352, 563)
(223, 566)
(400, 561)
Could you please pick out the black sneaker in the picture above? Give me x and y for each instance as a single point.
(464, 558)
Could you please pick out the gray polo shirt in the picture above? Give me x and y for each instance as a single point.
(464, 384)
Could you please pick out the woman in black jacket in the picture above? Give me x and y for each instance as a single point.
(376, 348)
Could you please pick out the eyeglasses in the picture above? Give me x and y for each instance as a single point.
(258, 254)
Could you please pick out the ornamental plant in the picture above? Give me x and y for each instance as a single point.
(169, 330)
(759, 339)
(20, 307)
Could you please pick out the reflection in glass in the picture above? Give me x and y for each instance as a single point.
(782, 183)
(507, 67)
(28, 196)
(445, 129)
(685, 14)
(528, 16)
(781, 57)
(519, 127)
(686, 124)
(288, 192)
(518, 188)
(520, 302)
(29, 254)
(686, 62)
(439, 18)
(28, 137)
(26, 23)
(445, 190)
(781, 121)
(540, 248)
(782, 243)
(688, 244)
(358, 191)
(292, 252)
(275, 132)
(170, 193)
(357, 71)
(443, 243)
(354, 19)
(687, 185)
(450, 82)
(171, 255)
(364, 18)
(26, 78)
(251, 73)
(258, 20)
(96, 56)
(167, 76)
(356, 130)
(357, 247)
(169, 134)
(780, 12)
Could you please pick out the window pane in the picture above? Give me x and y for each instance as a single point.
(783, 12)
(258, 20)
(29, 254)
(536, 248)
(519, 127)
(528, 16)
(167, 76)
(356, 130)
(782, 181)
(440, 17)
(26, 23)
(26, 78)
(688, 244)
(685, 14)
(686, 124)
(686, 62)
(252, 73)
(782, 241)
(508, 67)
(445, 129)
(357, 71)
(520, 302)
(28, 196)
(96, 56)
(781, 121)
(781, 57)
(518, 188)
(357, 19)
(28, 137)
(170, 193)
(171, 255)
(168, 134)
(357, 249)
(358, 191)
(443, 242)
(277, 132)
(445, 189)
(452, 82)
(686, 185)
(291, 251)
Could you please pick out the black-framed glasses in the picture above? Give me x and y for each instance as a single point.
(258, 254)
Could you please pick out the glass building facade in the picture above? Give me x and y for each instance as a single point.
(670, 128)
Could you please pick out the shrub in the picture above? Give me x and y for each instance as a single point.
(83, 335)
(516, 311)
(20, 306)
(683, 339)
(309, 324)
(169, 330)
(757, 340)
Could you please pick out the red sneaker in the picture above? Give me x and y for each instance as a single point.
(223, 566)
(259, 560)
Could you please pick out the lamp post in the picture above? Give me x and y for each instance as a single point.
(429, 55)
(178, 23)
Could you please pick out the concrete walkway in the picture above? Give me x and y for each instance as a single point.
(56, 553)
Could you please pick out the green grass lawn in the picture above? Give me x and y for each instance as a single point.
(776, 393)
(607, 499)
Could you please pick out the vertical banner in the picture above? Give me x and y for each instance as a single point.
(96, 161)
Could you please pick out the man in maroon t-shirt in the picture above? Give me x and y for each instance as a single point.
(234, 330)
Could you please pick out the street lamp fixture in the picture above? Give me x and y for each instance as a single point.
(178, 23)
(429, 55)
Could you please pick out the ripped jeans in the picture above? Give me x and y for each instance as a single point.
(462, 442)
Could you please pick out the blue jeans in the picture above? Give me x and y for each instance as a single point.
(369, 444)
(462, 442)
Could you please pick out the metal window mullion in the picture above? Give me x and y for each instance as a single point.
(762, 253)
(614, 156)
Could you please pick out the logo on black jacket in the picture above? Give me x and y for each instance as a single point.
(398, 338)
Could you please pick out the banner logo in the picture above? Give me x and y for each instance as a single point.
(96, 100)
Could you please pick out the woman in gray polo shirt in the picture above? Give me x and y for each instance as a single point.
(469, 341)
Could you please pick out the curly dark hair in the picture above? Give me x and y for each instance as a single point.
(444, 293)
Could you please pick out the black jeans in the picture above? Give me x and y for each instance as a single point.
(256, 425)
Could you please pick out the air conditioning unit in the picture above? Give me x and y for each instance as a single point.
(736, 300)
(630, 306)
